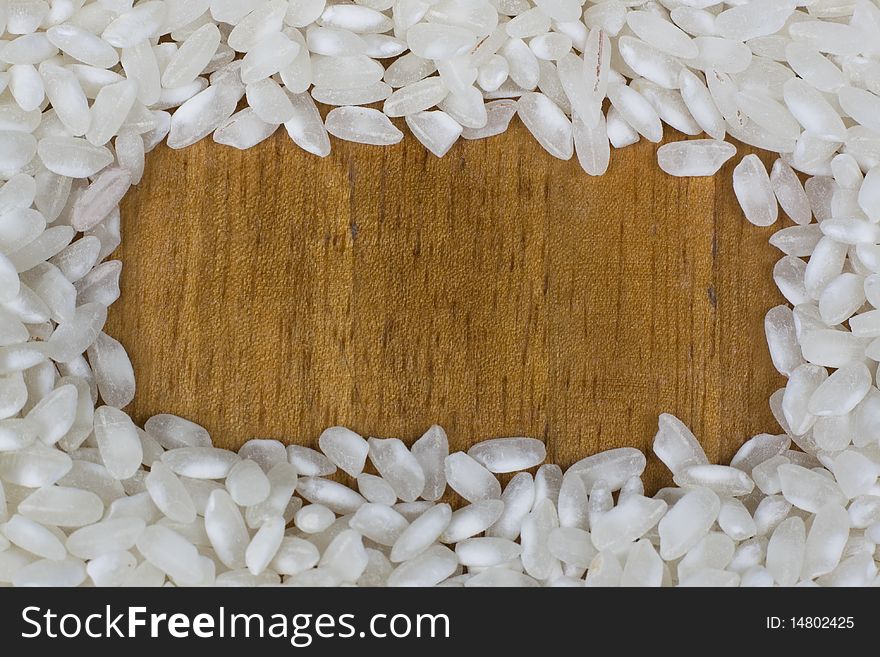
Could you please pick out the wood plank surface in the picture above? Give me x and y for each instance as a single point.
(496, 291)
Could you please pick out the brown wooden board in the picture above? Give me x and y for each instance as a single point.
(497, 291)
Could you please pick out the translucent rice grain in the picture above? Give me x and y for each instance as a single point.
(825, 541)
(808, 490)
(643, 567)
(264, 545)
(226, 529)
(523, 67)
(636, 111)
(376, 489)
(790, 193)
(47, 572)
(268, 57)
(750, 20)
(269, 101)
(518, 498)
(398, 467)
(68, 156)
(782, 341)
(536, 557)
(244, 130)
(109, 111)
(861, 105)
(547, 123)
(112, 568)
(498, 116)
(105, 537)
(13, 396)
(591, 145)
(700, 104)
(34, 466)
(202, 114)
(362, 125)
(171, 553)
(135, 25)
(416, 97)
(471, 520)
(113, 371)
(841, 392)
(611, 468)
(754, 191)
(785, 551)
(67, 97)
(191, 57)
(169, 495)
(200, 462)
(431, 451)
(437, 131)
(813, 66)
(62, 507)
(314, 518)
(379, 523)
(470, 479)
(572, 502)
(26, 86)
(722, 479)
(34, 537)
(9, 281)
(869, 194)
(676, 446)
(247, 483)
(626, 522)
(662, 34)
(735, 520)
(83, 45)
(118, 442)
(308, 462)
(437, 41)
(813, 111)
(345, 448)
(421, 533)
(78, 258)
(358, 19)
(486, 552)
(698, 157)
(723, 55)
(508, 454)
(649, 62)
(687, 522)
(711, 578)
(294, 556)
(265, 452)
(371, 93)
(605, 570)
(53, 416)
(173, 432)
(306, 127)
(855, 473)
(100, 198)
(338, 498)
(467, 108)
(426, 569)
(531, 22)
(572, 546)
(832, 348)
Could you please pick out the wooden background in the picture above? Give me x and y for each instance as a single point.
(497, 291)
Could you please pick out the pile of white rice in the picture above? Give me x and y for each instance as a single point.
(87, 88)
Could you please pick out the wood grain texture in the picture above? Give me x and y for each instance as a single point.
(497, 291)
